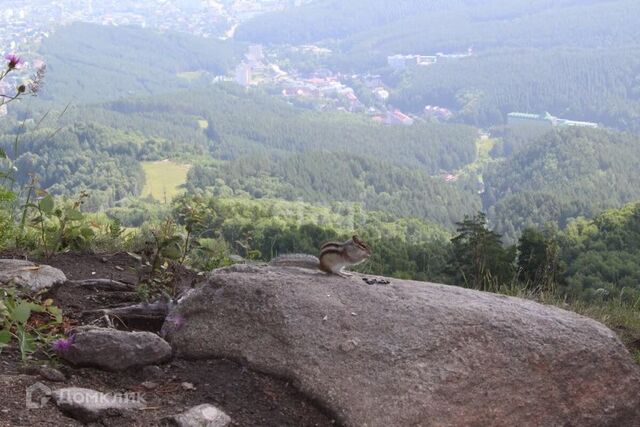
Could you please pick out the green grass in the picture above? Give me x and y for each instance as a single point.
(163, 179)
(483, 158)
(484, 147)
(190, 75)
(622, 318)
(203, 124)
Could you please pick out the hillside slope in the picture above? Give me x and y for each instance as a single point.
(89, 63)
(562, 175)
(402, 26)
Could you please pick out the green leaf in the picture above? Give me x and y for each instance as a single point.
(26, 342)
(56, 313)
(172, 251)
(5, 337)
(73, 214)
(47, 204)
(22, 312)
(37, 308)
(87, 232)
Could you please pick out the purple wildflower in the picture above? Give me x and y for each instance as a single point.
(61, 345)
(14, 61)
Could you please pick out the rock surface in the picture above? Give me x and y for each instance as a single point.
(28, 275)
(200, 416)
(412, 353)
(116, 350)
(88, 405)
(45, 372)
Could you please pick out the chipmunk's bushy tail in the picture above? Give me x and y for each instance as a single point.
(296, 260)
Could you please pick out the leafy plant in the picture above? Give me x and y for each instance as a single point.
(165, 244)
(29, 322)
(60, 227)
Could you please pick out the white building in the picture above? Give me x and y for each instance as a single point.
(256, 52)
(243, 75)
(400, 62)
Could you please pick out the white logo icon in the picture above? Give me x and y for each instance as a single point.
(33, 392)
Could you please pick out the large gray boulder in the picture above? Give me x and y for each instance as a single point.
(115, 350)
(412, 353)
(28, 275)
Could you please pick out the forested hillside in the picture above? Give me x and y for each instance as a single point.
(602, 255)
(230, 123)
(365, 28)
(274, 149)
(89, 63)
(599, 85)
(328, 177)
(562, 175)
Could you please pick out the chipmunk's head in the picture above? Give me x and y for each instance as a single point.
(362, 246)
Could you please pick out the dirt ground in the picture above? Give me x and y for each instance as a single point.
(249, 398)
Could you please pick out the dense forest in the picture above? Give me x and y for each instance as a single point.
(252, 144)
(599, 85)
(327, 177)
(562, 175)
(89, 63)
(592, 260)
(364, 29)
(272, 150)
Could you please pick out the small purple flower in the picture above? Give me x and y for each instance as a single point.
(39, 64)
(61, 345)
(14, 61)
(177, 320)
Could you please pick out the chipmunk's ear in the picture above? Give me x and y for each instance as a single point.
(360, 243)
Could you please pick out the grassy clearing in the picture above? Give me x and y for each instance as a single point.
(484, 147)
(163, 179)
(203, 124)
(483, 158)
(190, 75)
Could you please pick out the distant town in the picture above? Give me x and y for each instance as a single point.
(327, 90)
(23, 26)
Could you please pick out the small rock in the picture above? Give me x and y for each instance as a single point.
(152, 372)
(149, 385)
(200, 416)
(348, 346)
(45, 372)
(116, 350)
(187, 386)
(88, 405)
(28, 275)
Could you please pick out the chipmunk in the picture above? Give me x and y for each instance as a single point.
(333, 257)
